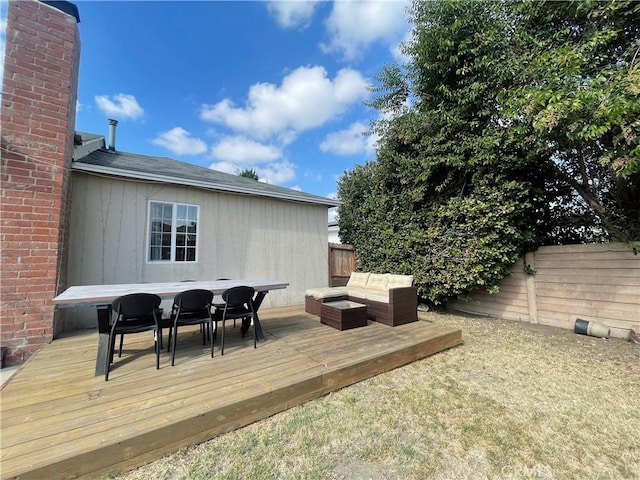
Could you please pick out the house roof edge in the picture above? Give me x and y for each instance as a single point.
(208, 185)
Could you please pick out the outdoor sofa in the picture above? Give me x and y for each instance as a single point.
(390, 299)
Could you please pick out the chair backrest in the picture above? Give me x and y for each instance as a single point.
(237, 296)
(136, 304)
(193, 300)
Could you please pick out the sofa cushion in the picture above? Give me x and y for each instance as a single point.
(357, 292)
(358, 279)
(396, 281)
(326, 292)
(378, 281)
(377, 296)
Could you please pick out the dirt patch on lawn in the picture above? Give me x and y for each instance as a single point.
(582, 347)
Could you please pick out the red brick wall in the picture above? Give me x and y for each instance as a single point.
(37, 128)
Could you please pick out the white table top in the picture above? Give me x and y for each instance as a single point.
(100, 294)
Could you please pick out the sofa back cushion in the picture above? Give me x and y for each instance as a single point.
(378, 281)
(396, 281)
(358, 279)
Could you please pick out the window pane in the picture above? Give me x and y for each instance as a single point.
(180, 237)
(155, 253)
(192, 214)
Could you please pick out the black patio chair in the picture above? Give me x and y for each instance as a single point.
(192, 307)
(135, 313)
(219, 306)
(238, 303)
(201, 325)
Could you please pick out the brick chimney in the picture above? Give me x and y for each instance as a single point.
(39, 95)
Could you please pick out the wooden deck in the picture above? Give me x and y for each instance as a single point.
(60, 421)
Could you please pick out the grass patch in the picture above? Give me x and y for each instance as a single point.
(516, 401)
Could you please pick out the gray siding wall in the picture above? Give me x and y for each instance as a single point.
(239, 237)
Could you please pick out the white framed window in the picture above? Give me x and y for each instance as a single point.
(173, 232)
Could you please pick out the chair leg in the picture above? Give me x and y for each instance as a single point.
(156, 345)
(211, 329)
(112, 341)
(121, 340)
(175, 344)
(222, 339)
(169, 340)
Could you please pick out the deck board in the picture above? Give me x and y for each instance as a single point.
(61, 421)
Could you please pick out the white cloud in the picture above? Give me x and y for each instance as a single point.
(277, 173)
(226, 167)
(120, 106)
(238, 153)
(306, 99)
(180, 142)
(396, 50)
(292, 14)
(242, 150)
(351, 141)
(355, 25)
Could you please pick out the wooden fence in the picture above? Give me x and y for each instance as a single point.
(342, 261)
(599, 282)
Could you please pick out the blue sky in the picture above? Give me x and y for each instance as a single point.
(274, 86)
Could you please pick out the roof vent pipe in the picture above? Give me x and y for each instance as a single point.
(112, 134)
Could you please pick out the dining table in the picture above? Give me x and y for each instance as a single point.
(101, 296)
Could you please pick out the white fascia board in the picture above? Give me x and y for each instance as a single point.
(85, 167)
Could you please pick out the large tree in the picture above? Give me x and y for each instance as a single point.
(576, 67)
(463, 181)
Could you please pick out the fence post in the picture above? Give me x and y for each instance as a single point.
(529, 268)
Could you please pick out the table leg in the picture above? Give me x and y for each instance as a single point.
(104, 318)
(257, 301)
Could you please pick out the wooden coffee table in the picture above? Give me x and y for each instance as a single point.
(343, 314)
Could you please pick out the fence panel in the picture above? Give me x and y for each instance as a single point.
(342, 261)
(593, 282)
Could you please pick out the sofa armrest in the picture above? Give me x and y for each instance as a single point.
(403, 305)
(404, 294)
